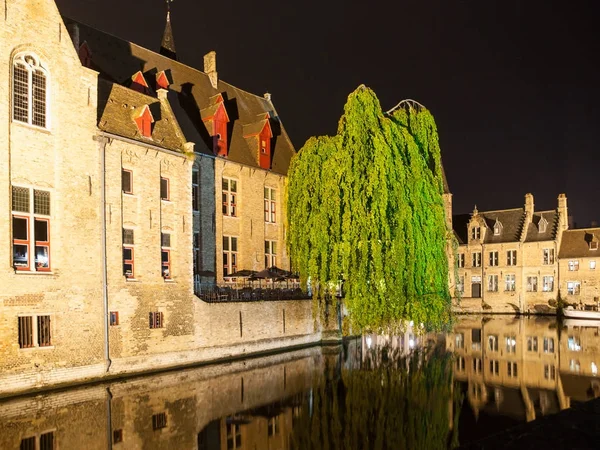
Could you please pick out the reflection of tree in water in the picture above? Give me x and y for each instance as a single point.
(403, 402)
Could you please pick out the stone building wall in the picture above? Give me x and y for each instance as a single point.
(62, 159)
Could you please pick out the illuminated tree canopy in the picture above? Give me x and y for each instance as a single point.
(366, 206)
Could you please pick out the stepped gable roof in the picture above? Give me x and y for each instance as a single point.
(533, 233)
(190, 92)
(576, 243)
(121, 105)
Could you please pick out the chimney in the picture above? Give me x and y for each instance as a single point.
(73, 29)
(267, 96)
(563, 212)
(210, 68)
(529, 206)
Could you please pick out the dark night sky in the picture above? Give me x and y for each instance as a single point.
(512, 83)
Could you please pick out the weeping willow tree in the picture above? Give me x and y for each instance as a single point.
(366, 206)
(406, 402)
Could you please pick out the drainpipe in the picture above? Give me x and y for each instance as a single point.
(102, 141)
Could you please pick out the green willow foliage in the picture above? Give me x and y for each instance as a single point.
(407, 403)
(366, 206)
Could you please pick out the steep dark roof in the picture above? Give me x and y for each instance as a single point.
(119, 107)
(512, 225)
(576, 243)
(460, 223)
(533, 233)
(190, 93)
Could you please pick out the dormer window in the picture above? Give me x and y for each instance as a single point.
(162, 81)
(497, 228)
(594, 245)
(542, 225)
(476, 233)
(215, 118)
(29, 90)
(144, 120)
(138, 83)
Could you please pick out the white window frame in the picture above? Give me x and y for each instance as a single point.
(461, 260)
(548, 256)
(592, 264)
(548, 283)
(532, 284)
(476, 259)
(230, 254)
(573, 287)
(510, 282)
(493, 283)
(270, 254)
(511, 257)
(493, 259)
(32, 63)
(476, 233)
(573, 265)
(270, 201)
(229, 197)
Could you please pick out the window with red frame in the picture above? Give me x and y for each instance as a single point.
(31, 229)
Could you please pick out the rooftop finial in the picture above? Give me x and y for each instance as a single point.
(167, 47)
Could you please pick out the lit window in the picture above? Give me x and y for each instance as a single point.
(548, 283)
(593, 264)
(229, 255)
(31, 229)
(574, 344)
(510, 282)
(269, 205)
(30, 90)
(497, 228)
(270, 254)
(511, 258)
(573, 287)
(574, 365)
(511, 343)
(229, 194)
(164, 188)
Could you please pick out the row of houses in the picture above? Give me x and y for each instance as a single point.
(524, 260)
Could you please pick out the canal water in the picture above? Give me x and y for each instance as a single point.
(415, 390)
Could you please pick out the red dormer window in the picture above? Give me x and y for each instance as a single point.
(264, 140)
(162, 81)
(144, 122)
(220, 136)
(138, 83)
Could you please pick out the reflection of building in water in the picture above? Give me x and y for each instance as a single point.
(247, 404)
(402, 343)
(510, 365)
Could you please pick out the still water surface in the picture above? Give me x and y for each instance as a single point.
(408, 391)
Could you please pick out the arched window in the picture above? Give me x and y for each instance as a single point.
(29, 90)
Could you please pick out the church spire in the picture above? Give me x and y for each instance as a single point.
(167, 46)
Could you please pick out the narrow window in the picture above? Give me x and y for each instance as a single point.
(28, 443)
(28, 239)
(44, 333)
(511, 343)
(461, 260)
(270, 254)
(156, 320)
(47, 441)
(164, 188)
(127, 181)
(270, 205)
(532, 343)
(510, 283)
(512, 369)
(117, 436)
(493, 342)
(165, 255)
(494, 367)
(476, 233)
(229, 255)
(128, 261)
(20, 242)
(493, 283)
(511, 258)
(114, 318)
(548, 345)
(195, 190)
(548, 257)
(26, 332)
(229, 197)
(476, 259)
(493, 258)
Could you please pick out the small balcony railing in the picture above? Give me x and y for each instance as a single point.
(212, 293)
